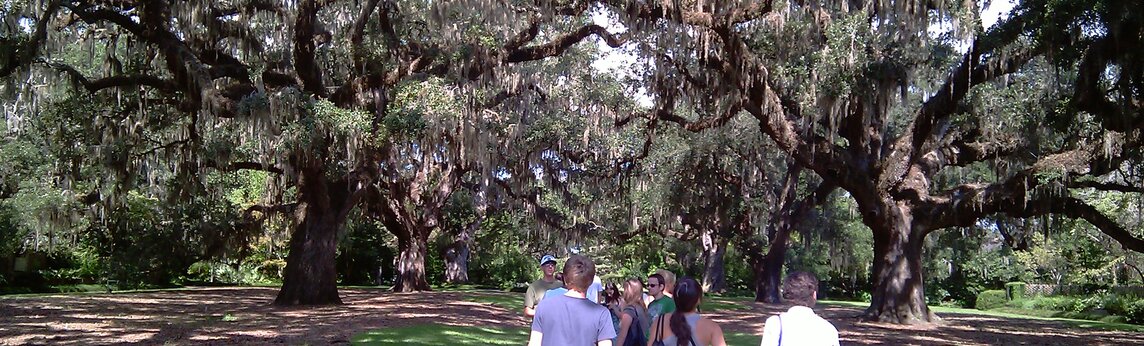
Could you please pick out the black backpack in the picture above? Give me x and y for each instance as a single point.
(636, 335)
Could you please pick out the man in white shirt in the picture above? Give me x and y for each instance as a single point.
(594, 290)
(799, 325)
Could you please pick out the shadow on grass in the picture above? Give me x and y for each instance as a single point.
(433, 334)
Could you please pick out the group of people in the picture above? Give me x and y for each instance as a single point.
(569, 308)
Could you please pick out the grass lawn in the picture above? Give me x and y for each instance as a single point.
(710, 303)
(512, 302)
(1010, 313)
(452, 335)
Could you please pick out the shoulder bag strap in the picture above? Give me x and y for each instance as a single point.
(780, 330)
(659, 334)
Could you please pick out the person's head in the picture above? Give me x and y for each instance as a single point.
(578, 273)
(800, 288)
(548, 265)
(688, 293)
(633, 292)
(655, 285)
(668, 281)
(611, 293)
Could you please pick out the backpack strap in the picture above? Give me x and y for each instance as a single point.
(780, 330)
(659, 334)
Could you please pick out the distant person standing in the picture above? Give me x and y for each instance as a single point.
(799, 325)
(595, 290)
(537, 289)
(661, 303)
(571, 319)
(668, 282)
(559, 290)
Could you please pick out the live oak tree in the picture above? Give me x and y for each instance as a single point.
(302, 90)
(861, 94)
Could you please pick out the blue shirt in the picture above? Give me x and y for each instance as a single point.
(559, 291)
(565, 320)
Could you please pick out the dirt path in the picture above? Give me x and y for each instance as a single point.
(227, 316)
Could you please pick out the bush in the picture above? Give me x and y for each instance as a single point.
(1130, 307)
(991, 299)
(1015, 291)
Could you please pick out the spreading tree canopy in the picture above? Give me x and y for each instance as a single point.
(877, 99)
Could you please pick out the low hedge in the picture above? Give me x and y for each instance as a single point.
(991, 299)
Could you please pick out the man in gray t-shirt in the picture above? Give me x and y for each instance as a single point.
(570, 318)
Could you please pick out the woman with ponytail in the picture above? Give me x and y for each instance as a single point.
(685, 327)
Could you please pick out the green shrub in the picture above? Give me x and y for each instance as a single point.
(1094, 302)
(991, 299)
(1015, 291)
(1130, 307)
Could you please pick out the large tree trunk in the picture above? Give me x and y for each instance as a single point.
(457, 259)
(899, 295)
(310, 276)
(714, 272)
(787, 215)
(769, 274)
(413, 246)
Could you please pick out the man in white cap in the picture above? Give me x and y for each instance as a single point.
(537, 289)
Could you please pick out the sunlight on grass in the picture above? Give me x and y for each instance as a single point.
(1001, 313)
(510, 302)
(442, 335)
(742, 339)
(452, 335)
(722, 304)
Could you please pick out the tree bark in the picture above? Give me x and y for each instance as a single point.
(413, 246)
(771, 270)
(310, 276)
(457, 258)
(714, 271)
(457, 263)
(898, 295)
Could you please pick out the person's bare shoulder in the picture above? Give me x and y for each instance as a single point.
(709, 325)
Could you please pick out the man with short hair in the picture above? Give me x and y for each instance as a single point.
(661, 303)
(799, 325)
(537, 289)
(668, 282)
(571, 319)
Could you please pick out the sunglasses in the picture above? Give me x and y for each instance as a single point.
(653, 285)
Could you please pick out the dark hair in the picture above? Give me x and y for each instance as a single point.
(799, 288)
(578, 273)
(657, 277)
(613, 297)
(687, 294)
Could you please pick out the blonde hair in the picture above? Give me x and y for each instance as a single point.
(633, 295)
(668, 280)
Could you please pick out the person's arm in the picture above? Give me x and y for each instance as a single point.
(530, 301)
(535, 338)
(605, 342)
(625, 323)
(717, 336)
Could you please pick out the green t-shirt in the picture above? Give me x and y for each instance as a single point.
(661, 306)
(536, 291)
